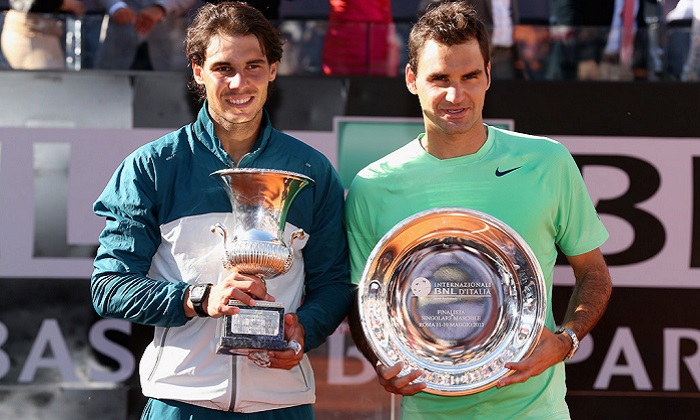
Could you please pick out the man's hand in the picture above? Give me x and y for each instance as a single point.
(401, 385)
(124, 16)
(289, 358)
(387, 375)
(75, 7)
(588, 302)
(550, 350)
(246, 288)
(147, 17)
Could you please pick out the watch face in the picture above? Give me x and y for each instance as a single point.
(197, 292)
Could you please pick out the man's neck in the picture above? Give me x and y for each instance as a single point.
(447, 146)
(239, 139)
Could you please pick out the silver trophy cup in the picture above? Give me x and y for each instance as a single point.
(260, 200)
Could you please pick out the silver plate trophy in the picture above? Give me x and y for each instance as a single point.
(260, 200)
(456, 293)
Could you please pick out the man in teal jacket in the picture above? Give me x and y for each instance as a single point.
(157, 244)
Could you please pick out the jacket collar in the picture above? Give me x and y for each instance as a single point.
(204, 132)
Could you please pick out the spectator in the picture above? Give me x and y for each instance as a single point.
(578, 32)
(500, 18)
(691, 68)
(143, 35)
(33, 39)
(628, 43)
(360, 39)
(90, 28)
(157, 247)
(683, 40)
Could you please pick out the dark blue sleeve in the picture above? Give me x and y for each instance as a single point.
(328, 291)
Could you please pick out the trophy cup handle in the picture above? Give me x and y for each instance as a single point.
(297, 234)
(219, 227)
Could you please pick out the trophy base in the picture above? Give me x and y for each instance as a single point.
(254, 328)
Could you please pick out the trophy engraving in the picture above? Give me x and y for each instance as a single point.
(260, 200)
(453, 292)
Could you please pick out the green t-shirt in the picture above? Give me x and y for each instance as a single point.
(530, 183)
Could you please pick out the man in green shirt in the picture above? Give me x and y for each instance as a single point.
(530, 183)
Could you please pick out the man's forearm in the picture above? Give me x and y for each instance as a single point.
(589, 298)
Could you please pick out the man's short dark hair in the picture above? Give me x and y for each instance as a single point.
(448, 23)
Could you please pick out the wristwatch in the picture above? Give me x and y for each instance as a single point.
(574, 342)
(198, 295)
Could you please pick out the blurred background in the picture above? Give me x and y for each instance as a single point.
(540, 39)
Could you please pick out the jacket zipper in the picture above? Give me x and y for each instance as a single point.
(232, 378)
(234, 363)
(303, 375)
(161, 344)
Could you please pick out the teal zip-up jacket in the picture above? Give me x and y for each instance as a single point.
(159, 206)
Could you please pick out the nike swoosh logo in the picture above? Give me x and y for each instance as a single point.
(506, 172)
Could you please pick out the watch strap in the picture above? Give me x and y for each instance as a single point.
(199, 299)
(574, 341)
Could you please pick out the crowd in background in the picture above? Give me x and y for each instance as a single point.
(532, 39)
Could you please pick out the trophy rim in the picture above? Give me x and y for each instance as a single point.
(388, 341)
(263, 171)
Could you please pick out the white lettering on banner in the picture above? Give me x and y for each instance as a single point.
(49, 337)
(337, 357)
(672, 357)
(623, 344)
(50, 351)
(4, 357)
(584, 351)
(648, 221)
(94, 154)
(121, 355)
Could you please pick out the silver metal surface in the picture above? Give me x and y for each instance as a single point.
(260, 201)
(256, 321)
(454, 292)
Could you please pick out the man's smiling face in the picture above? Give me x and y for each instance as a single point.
(236, 76)
(451, 84)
